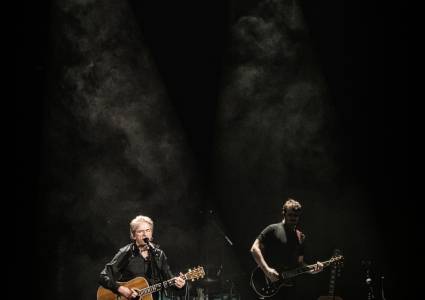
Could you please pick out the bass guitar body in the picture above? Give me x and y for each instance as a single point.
(264, 287)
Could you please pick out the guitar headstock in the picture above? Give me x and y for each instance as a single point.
(195, 273)
(336, 260)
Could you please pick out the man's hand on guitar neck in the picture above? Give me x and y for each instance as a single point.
(318, 267)
(271, 274)
(127, 292)
(179, 281)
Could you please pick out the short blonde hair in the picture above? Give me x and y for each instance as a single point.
(136, 221)
(291, 204)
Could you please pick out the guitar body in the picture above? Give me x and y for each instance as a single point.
(329, 298)
(263, 287)
(138, 283)
(141, 286)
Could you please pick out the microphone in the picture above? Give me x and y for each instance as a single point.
(150, 245)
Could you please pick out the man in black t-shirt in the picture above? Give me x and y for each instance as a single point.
(280, 247)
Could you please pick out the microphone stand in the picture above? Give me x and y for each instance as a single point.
(382, 288)
(228, 241)
(366, 264)
(156, 278)
(370, 287)
(226, 238)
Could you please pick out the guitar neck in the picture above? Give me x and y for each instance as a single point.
(303, 269)
(157, 287)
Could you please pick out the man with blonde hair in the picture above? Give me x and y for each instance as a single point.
(140, 258)
(280, 247)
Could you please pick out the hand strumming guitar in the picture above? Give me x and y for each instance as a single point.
(271, 274)
(127, 292)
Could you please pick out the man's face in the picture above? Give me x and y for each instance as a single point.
(292, 216)
(143, 230)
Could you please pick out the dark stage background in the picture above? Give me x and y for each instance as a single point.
(206, 116)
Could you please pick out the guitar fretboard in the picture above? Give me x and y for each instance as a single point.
(159, 286)
(304, 269)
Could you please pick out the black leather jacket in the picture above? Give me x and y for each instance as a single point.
(118, 268)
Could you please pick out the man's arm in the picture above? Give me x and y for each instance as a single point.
(271, 273)
(111, 273)
(166, 272)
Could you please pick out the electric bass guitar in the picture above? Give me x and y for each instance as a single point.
(335, 272)
(265, 288)
(144, 291)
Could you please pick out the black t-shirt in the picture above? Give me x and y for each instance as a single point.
(137, 267)
(282, 246)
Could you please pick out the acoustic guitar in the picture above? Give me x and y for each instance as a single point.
(335, 272)
(144, 291)
(265, 288)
